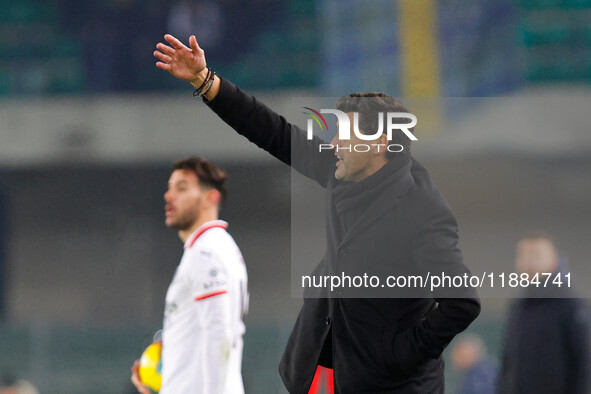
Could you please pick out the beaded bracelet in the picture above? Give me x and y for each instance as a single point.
(204, 80)
(199, 92)
(209, 84)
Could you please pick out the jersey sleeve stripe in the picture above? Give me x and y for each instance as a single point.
(210, 295)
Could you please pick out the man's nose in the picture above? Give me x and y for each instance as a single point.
(335, 140)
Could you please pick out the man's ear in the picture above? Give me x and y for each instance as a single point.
(380, 145)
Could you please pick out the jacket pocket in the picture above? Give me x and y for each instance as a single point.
(405, 351)
(389, 351)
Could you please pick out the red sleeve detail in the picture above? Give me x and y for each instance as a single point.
(210, 295)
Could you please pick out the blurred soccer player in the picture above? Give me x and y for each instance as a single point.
(469, 356)
(380, 343)
(547, 343)
(206, 301)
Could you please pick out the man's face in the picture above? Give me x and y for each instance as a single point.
(536, 255)
(464, 355)
(352, 166)
(183, 200)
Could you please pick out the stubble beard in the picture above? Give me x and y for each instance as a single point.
(185, 221)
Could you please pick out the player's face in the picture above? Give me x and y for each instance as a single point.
(352, 166)
(183, 200)
(536, 256)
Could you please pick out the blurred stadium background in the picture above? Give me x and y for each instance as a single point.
(89, 128)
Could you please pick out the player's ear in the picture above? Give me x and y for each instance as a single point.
(214, 197)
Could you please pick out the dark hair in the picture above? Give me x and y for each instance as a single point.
(208, 174)
(538, 234)
(368, 105)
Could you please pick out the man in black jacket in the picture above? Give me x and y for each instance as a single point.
(547, 341)
(384, 217)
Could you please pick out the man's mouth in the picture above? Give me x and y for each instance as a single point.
(168, 210)
(340, 158)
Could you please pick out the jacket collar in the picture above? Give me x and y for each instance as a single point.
(385, 189)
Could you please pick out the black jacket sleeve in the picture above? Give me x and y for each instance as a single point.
(272, 132)
(435, 250)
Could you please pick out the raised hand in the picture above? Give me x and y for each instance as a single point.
(182, 62)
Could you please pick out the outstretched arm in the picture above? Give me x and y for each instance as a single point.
(185, 63)
(245, 114)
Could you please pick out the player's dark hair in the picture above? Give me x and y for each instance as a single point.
(208, 174)
(368, 105)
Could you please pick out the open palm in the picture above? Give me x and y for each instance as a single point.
(179, 60)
